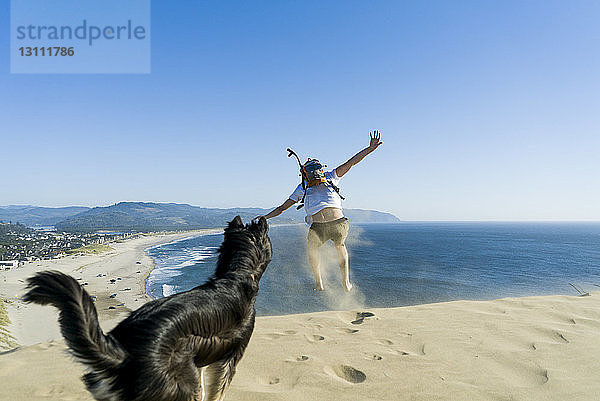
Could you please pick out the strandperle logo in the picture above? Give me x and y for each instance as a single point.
(84, 32)
(80, 36)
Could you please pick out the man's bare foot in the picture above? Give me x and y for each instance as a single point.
(347, 286)
(318, 287)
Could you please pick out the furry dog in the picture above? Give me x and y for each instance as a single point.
(179, 348)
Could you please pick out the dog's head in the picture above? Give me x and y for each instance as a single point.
(245, 247)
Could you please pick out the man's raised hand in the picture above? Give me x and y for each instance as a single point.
(375, 139)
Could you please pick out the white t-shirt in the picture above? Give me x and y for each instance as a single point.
(320, 196)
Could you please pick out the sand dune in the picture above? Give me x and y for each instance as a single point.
(533, 348)
(538, 348)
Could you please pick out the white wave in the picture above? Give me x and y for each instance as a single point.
(168, 289)
(191, 258)
(182, 239)
(171, 264)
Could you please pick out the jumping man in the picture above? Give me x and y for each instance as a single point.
(323, 206)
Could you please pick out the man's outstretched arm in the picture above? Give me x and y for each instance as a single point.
(280, 209)
(373, 144)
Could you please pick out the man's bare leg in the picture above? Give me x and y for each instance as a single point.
(315, 262)
(342, 254)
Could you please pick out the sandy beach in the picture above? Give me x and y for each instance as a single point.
(533, 348)
(116, 278)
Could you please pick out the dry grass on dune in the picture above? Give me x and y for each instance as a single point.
(6, 339)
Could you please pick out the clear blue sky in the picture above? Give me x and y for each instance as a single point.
(489, 110)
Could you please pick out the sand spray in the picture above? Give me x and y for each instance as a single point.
(335, 296)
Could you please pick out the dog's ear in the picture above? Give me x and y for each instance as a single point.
(263, 226)
(236, 223)
(259, 225)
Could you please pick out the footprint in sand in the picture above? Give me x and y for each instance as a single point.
(349, 374)
(346, 331)
(52, 391)
(364, 314)
(360, 317)
(561, 337)
(274, 336)
(314, 338)
(301, 358)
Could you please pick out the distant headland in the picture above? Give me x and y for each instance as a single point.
(151, 216)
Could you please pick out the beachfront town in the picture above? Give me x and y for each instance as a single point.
(19, 244)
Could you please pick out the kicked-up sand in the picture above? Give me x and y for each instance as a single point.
(532, 348)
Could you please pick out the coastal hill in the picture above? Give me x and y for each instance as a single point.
(150, 216)
(38, 216)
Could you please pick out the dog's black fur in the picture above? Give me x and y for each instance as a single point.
(179, 348)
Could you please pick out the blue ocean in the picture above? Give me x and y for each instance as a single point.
(403, 264)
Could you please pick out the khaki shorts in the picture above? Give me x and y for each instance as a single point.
(336, 230)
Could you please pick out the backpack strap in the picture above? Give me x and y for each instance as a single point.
(335, 188)
(303, 196)
(329, 182)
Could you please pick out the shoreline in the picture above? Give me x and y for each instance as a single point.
(144, 283)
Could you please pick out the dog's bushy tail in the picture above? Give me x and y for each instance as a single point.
(78, 320)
